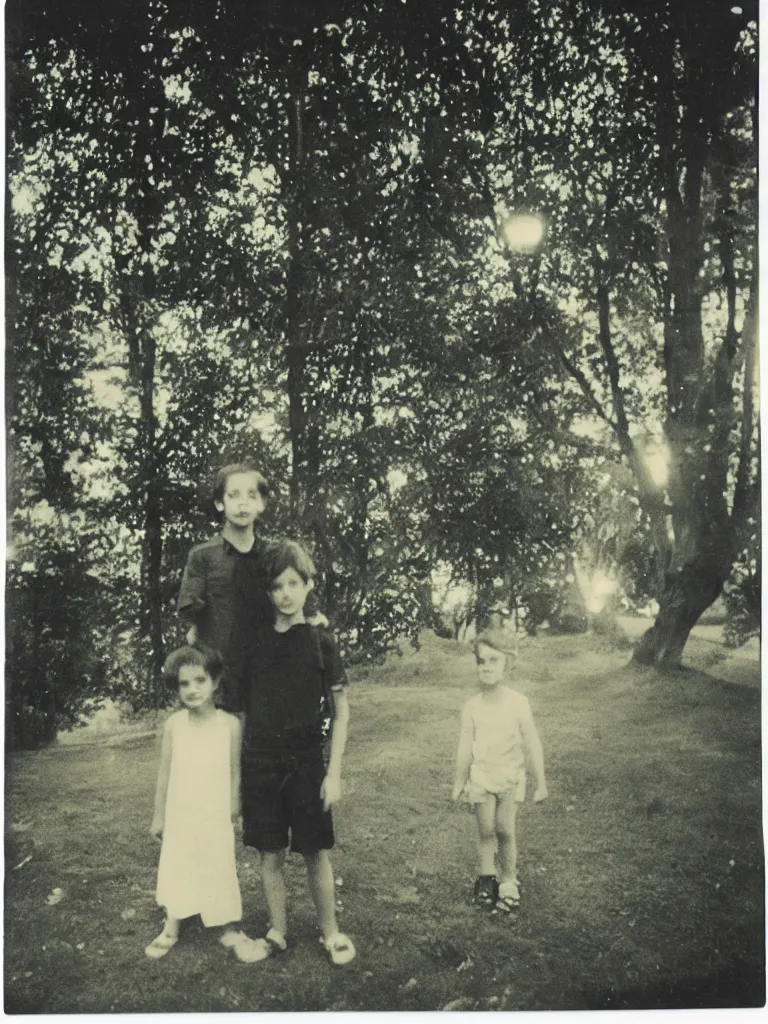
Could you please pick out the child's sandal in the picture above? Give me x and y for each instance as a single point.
(161, 945)
(509, 896)
(252, 951)
(486, 891)
(233, 940)
(340, 948)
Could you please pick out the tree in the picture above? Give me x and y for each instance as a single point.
(629, 127)
(282, 229)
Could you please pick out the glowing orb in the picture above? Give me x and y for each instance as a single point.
(523, 230)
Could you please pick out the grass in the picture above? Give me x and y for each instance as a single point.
(643, 874)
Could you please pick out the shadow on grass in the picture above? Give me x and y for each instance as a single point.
(734, 985)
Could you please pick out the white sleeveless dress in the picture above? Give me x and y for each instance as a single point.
(197, 872)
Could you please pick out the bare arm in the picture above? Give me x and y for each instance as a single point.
(161, 789)
(236, 733)
(464, 753)
(331, 788)
(535, 752)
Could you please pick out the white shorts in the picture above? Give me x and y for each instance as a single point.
(500, 782)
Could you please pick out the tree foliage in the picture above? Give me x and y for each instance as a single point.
(281, 230)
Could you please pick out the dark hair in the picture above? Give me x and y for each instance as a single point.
(220, 480)
(280, 555)
(205, 657)
(499, 641)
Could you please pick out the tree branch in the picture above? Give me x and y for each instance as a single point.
(749, 335)
(583, 383)
(621, 425)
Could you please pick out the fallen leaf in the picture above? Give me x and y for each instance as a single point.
(407, 894)
(462, 1003)
(54, 898)
(410, 984)
(128, 914)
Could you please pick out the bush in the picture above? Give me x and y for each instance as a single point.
(55, 666)
(742, 596)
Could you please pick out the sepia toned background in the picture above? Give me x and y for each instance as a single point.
(476, 284)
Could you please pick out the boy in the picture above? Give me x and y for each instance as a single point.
(497, 731)
(292, 677)
(223, 595)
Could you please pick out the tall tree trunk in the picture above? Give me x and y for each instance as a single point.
(685, 596)
(138, 306)
(700, 406)
(150, 474)
(296, 286)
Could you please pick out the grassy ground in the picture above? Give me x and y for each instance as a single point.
(642, 875)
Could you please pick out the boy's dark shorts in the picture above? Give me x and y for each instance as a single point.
(282, 806)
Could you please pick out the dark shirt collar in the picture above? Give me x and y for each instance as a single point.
(230, 549)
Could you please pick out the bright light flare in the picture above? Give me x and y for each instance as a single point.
(657, 461)
(523, 231)
(601, 588)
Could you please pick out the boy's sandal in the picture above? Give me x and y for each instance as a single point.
(232, 939)
(340, 948)
(161, 945)
(486, 891)
(509, 896)
(252, 951)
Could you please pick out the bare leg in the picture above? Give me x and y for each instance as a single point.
(166, 940)
(506, 816)
(486, 835)
(274, 889)
(321, 884)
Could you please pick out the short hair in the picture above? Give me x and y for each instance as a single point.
(496, 639)
(220, 480)
(280, 555)
(198, 654)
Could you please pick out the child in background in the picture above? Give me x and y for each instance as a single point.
(196, 802)
(292, 678)
(497, 731)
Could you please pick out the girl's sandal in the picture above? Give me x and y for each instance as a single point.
(340, 948)
(253, 951)
(161, 945)
(509, 897)
(486, 891)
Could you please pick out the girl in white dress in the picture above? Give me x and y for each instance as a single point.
(197, 802)
(497, 732)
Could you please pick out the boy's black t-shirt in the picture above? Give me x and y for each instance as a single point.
(225, 593)
(286, 678)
